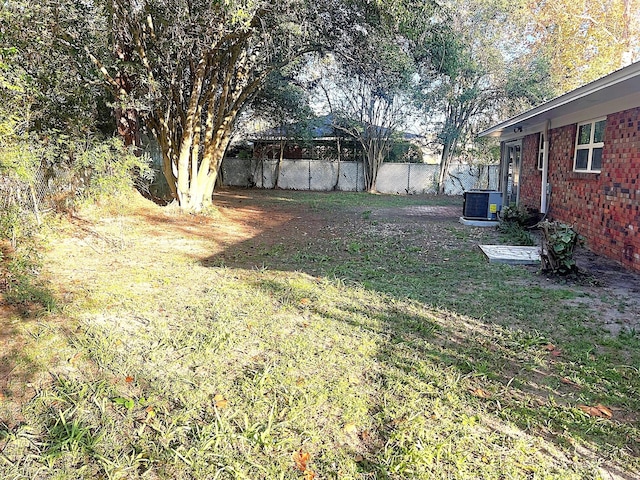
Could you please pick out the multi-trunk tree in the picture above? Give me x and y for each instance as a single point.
(368, 111)
(197, 64)
(478, 70)
(367, 90)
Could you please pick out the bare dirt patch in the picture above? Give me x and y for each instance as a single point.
(614, 292)
(421, 213)
(250, 222)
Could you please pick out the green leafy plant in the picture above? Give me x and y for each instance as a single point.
(112, 168)
(69, 436)
(18, 164)
(92, 170)
(514, 233)
(513, 222)
(128, 403)
(513, 213)
(558, 243)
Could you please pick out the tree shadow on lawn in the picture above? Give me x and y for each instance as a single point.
(507, 376)
(23, 299)
(17, 370)
(442, 332)
(532, 383)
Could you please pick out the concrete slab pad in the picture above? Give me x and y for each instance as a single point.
(512, 255)
(478, 223)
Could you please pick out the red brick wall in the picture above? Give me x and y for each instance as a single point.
(530, 176)
(603, 207)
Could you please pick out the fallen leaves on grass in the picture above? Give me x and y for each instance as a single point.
(75, 358)
(553, 350)
(301, 460)
(568, 381)
(150, 413)
(597, 411)
(480, 393)
(221, 402)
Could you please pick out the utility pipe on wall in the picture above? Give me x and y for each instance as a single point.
(545, 169)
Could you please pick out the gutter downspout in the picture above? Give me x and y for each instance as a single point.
(545, 170)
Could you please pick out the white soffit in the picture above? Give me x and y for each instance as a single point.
(616, 92)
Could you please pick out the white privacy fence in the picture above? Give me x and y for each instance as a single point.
(393, 178)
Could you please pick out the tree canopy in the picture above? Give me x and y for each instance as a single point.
(477, 71)
(584, 40)
(190, 68)
(187, 70)
(368, 91)
(43, 70)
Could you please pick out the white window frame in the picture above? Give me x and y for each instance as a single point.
(540, 150)
(587, 146)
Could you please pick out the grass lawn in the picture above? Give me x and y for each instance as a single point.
(291, 335)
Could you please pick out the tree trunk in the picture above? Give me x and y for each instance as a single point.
(374, 158)
(185, 173)
(367, 158)
(276, 177)
(445, 162)
(127, 119)
(128, 126)
(335, 185)
(201, 172)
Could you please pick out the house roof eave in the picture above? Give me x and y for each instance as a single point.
(617, 84)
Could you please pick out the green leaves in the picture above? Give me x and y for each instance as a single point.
(47, 80)
(128, 403)
(596, 37)
(558, 243)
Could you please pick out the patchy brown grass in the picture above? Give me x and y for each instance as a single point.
(368, 332)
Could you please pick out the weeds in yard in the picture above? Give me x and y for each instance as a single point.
(366, 355)
(23, 287)
(514, 233)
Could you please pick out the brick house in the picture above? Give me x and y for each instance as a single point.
(577, 158)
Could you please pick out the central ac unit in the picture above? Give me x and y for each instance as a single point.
(482, 204)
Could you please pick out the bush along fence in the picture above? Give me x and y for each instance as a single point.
(58, 180)
(322, 175)
(23, 202)
(50, 188)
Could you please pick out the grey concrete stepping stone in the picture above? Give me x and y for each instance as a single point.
(478, 223)
(512, 255)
